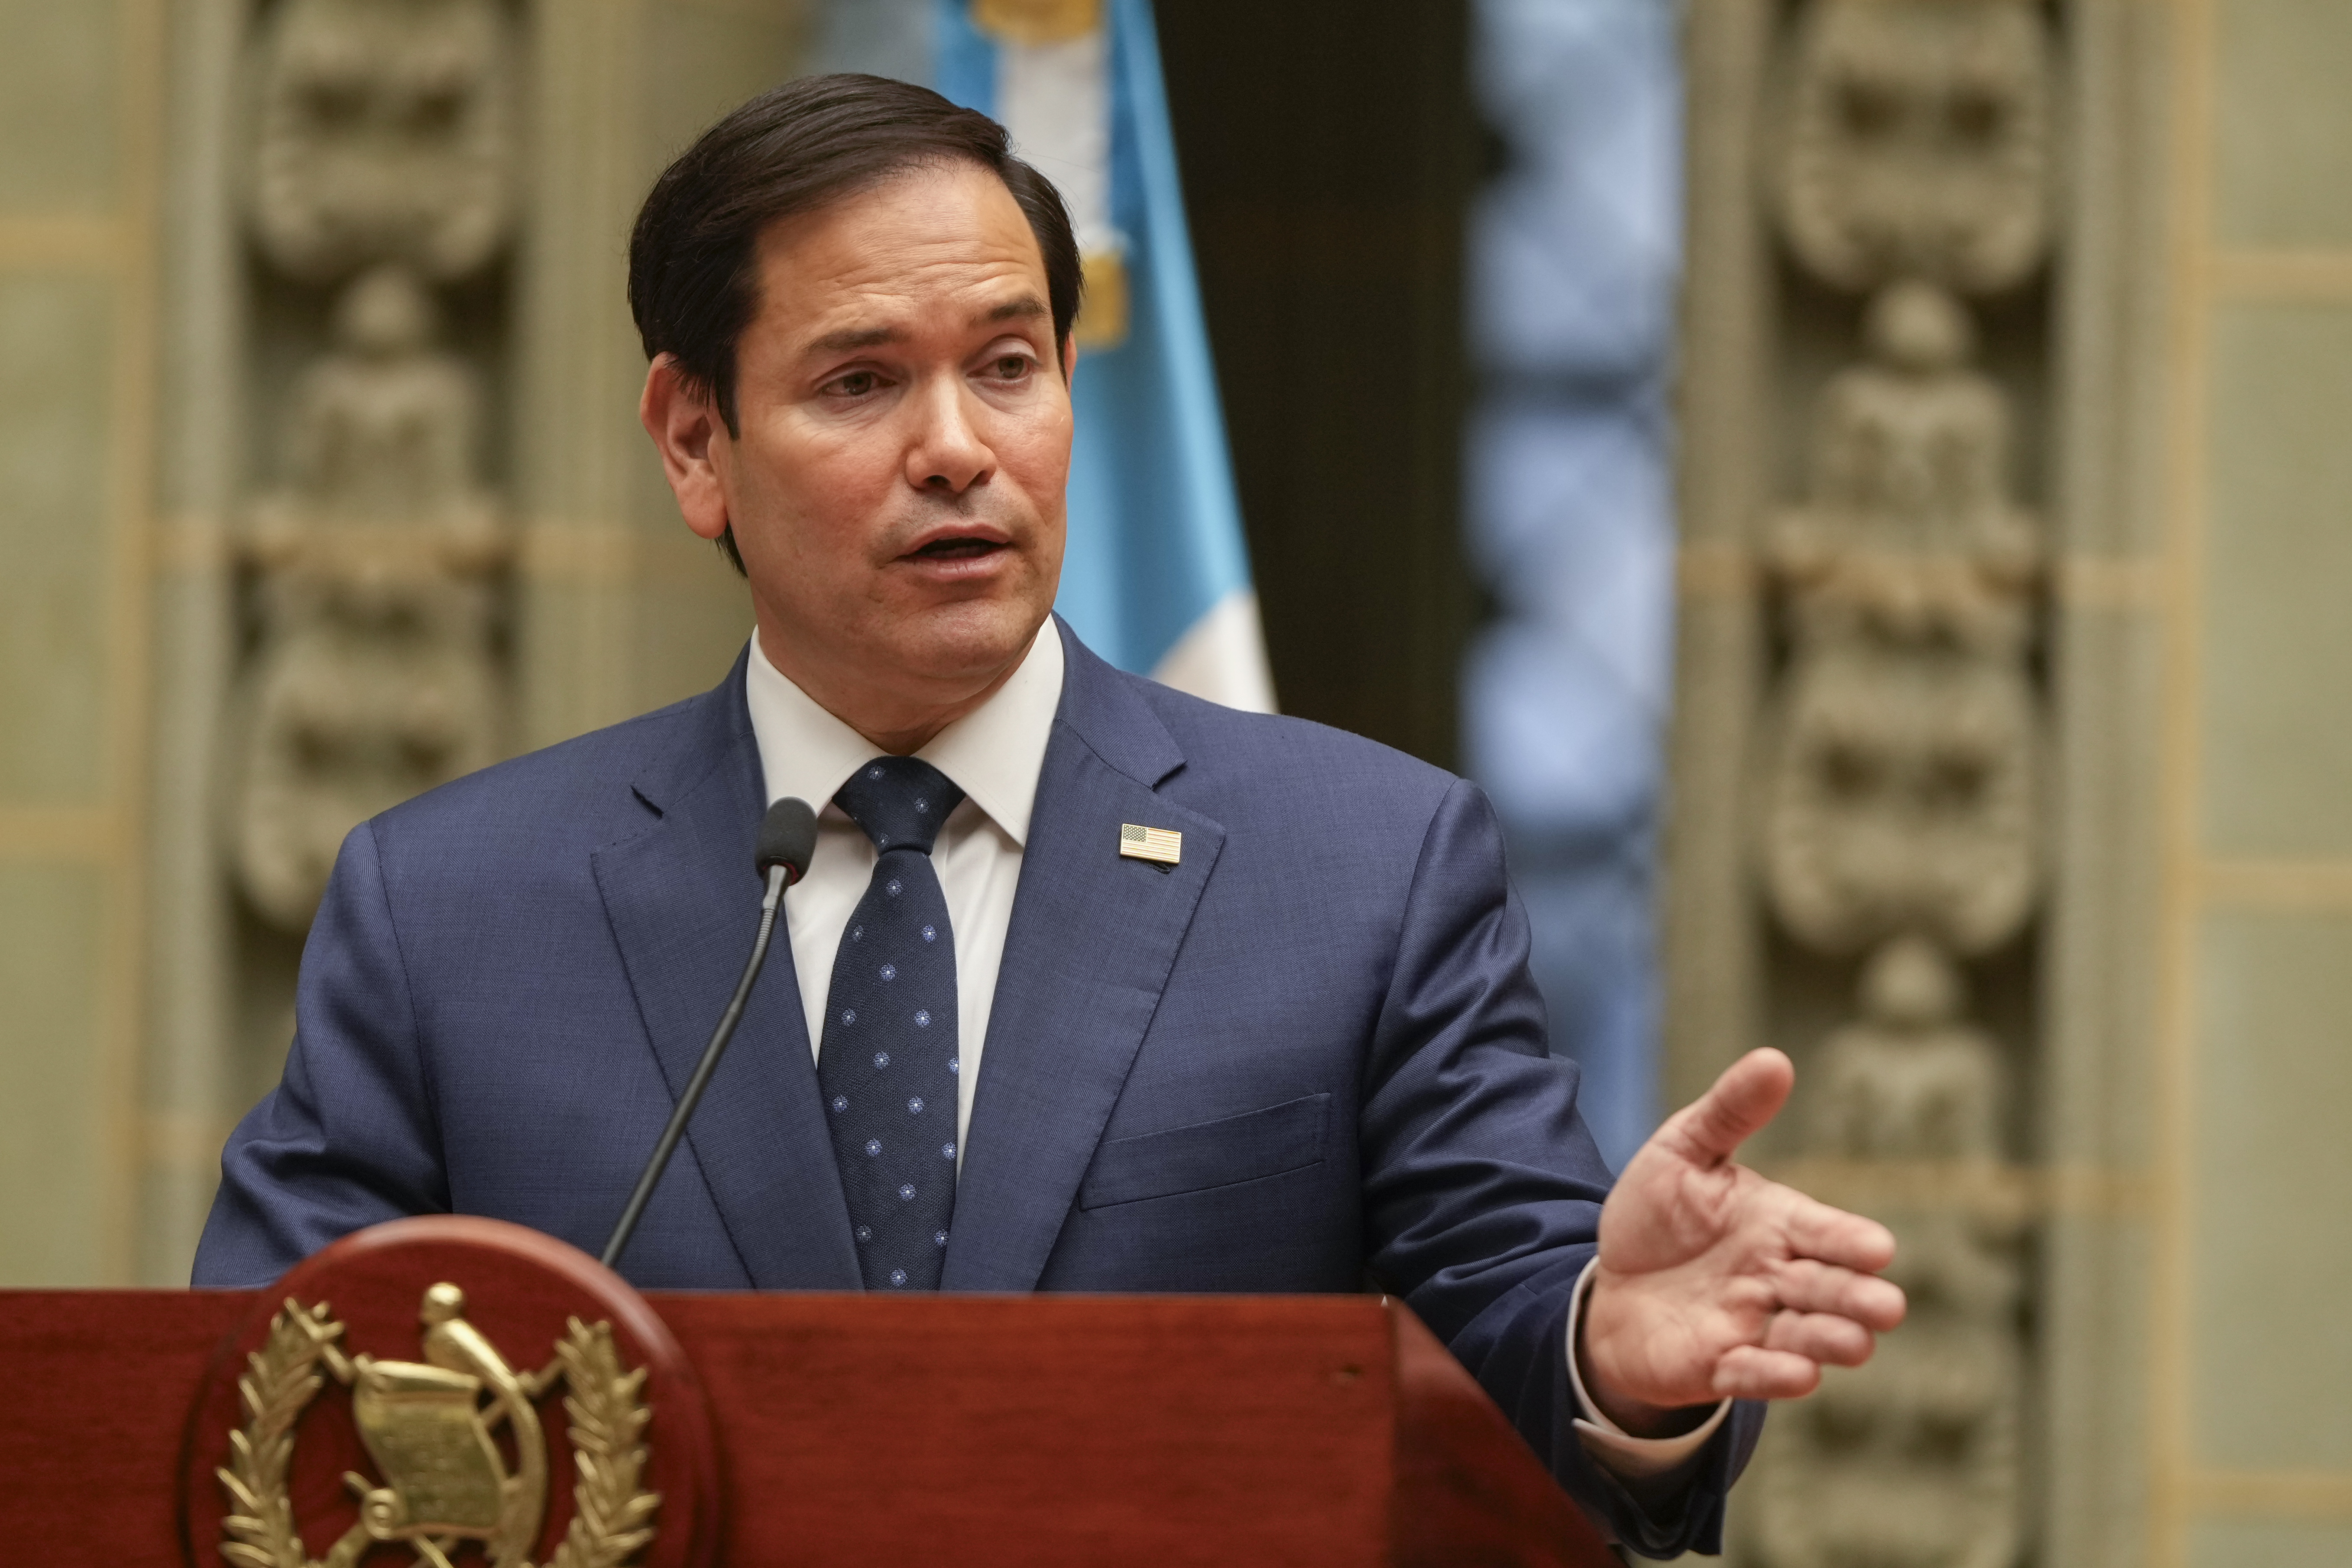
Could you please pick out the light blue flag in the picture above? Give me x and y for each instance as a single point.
(1157, 576)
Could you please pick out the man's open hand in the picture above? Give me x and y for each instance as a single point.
(1714, 1282)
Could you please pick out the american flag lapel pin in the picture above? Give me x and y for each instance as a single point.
(1164, 845)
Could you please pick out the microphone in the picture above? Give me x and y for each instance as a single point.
(787, 839)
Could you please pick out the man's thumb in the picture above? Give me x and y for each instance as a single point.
(1750, 1093)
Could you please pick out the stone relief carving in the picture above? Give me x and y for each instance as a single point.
(1918, 142)
(381, 166)
(1899, 810)
(1907, 756)
(1909, 1080)
(1915, 1461)
(383, 132)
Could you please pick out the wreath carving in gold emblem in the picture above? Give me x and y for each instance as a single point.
(429, 1428)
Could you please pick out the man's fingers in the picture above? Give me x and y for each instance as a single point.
(1834, 1235)
(1751, 1371)
(1824, 1337)
(1750, 1093)
(1805, 1286)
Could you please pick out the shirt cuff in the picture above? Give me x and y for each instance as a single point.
(1615, 1449)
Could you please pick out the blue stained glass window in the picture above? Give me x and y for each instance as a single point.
(1573, 253)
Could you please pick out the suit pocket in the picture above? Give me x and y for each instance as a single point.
(1285, 1137)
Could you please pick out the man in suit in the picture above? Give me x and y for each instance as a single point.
(1292, 1046)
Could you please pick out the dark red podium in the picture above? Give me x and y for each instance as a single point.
(783, 1429)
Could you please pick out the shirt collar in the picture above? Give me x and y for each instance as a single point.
(994, 753)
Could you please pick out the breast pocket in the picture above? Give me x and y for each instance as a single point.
(1244, 1148)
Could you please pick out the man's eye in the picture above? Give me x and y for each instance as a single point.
(1013, 367)
(856, 383)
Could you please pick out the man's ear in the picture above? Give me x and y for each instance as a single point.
(1070, 355)
(691, 438)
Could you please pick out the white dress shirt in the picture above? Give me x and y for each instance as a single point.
(994, 754)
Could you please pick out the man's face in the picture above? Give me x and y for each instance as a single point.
(896, 486)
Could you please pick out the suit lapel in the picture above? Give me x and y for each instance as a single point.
(1093, 939)
(684, 902)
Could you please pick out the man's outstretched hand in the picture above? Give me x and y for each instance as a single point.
(1714, 1282)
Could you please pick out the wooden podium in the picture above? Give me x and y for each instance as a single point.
(781, 1429)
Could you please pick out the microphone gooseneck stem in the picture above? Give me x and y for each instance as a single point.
(779, 877)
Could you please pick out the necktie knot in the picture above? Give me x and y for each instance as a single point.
(900, 802)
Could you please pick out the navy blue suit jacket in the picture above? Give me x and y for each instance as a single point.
(1308, 1054)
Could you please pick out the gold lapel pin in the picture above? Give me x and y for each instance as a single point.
(1164, 845)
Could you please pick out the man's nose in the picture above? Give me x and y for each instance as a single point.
(947, 452)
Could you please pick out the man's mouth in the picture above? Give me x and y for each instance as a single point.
(956, 547)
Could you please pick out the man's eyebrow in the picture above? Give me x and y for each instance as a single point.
(850, 338)
(1026, 308)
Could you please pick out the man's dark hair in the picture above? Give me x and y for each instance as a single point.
(694, 283)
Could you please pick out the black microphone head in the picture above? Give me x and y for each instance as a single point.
(788, 837)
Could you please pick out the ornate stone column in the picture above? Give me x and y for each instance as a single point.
(381, 175)
(1858, 841)
(408, 524)
(1936, 742)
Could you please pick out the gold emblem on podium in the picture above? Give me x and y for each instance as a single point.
(430, 1428)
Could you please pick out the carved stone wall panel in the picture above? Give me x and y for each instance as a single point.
(1900, 187)
(384, 131)
(441, 538)
(1917, 138)
(408, 524)
(383, 162)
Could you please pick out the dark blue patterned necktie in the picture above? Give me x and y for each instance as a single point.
(887, 1067)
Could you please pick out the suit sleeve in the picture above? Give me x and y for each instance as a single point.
(348, 1137)
(1482, 1188)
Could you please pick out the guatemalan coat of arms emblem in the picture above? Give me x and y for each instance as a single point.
(432, 1429)
(449, 1392)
